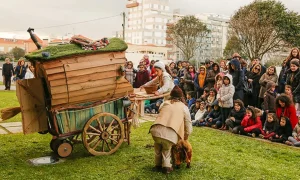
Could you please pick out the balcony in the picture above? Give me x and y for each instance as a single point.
(132, 4)
(169, 38)
(168, 31)
(169, 45)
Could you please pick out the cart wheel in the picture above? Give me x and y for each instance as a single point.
(101, 137)
(65, 149)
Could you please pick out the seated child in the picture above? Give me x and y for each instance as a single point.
(270, 126)
(250, 125)
(153, 107)
(294, 140)
(212, 96)
(283, 131)
(236, 115)
(205, 94)
(214, 116)
(190, 100)
(200, 115)
(194, 108)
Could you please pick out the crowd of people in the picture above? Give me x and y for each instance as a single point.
(21, 71)
(247, 99)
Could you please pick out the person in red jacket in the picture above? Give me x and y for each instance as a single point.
(285, 107)
(142, 77)
(251, 124)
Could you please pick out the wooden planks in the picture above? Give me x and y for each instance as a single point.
(83, 78)
(92, 96)
(30, 95)
(89, 91)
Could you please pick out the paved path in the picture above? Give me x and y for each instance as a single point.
(11, 128)
(16, 127)
(12, 88)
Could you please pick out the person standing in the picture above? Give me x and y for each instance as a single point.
(237, 78)
(7, 73)
(293, 79)
(20, 70)
(172, 124)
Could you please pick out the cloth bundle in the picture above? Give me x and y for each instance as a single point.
(88, 44)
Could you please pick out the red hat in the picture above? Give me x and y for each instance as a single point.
(176, 92)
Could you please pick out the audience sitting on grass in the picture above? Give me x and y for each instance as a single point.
(236, 115)
(294, 140)
(283, 131)
(200, 115)
(194, 108)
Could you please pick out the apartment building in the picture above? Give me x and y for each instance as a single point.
(7, 44)
(146, 22)
(213, 44)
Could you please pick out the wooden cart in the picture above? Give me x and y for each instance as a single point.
(78, 95)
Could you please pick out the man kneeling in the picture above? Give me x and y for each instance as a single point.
(172, 124)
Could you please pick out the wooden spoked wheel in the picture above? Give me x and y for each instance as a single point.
(103, 134)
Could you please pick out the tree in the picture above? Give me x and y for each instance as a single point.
(187, 35)
(233, 45)
(17, 52)
(264, 26)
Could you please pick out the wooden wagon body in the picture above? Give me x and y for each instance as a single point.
(77, 91)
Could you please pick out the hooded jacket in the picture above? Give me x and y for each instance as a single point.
(196, 80)
(238, 115)
(295, 83)
(237, 74)
(210, 78)
(249, 123)
(284, 131)
(226, 93)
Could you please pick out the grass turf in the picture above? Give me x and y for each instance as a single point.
(59, 51)
(216, 155)
(9, 99)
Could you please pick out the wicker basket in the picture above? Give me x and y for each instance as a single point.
(150, 89)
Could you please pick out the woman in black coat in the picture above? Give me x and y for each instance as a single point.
(252, 78)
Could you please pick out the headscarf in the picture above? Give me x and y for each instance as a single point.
(160, 65)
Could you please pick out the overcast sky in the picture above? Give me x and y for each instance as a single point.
(44, 13)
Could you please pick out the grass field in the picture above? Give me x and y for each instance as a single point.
(216, 155)
(9, 99)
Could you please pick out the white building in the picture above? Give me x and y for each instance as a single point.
(215, 42)
(146, 22)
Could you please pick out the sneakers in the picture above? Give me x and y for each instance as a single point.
(167, 170)
(261, 136)
(253, 135)
(289, 143)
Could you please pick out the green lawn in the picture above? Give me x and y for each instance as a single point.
(9, 99)
(216, 155)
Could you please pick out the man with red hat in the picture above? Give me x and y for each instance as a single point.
(172, 124)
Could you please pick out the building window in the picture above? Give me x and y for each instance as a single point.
(1, 49)
(9, 49)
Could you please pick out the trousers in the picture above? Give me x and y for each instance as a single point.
(162, 150)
